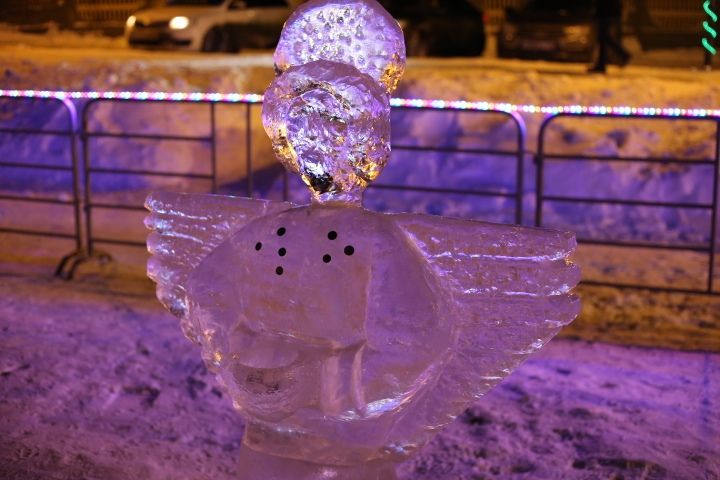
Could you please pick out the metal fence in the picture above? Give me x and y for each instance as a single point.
(708, 248)
(70, 167)
(84, 168)
(516, 154)
(90, 168)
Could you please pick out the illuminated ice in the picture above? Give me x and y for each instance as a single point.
(356, 32)
(348, 338)
(329, 123)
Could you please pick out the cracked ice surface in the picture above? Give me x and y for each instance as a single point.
(329, 123)
(350, 329)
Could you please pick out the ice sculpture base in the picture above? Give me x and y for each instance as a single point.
(255, 465)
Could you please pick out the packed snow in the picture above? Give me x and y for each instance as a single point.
(97, 382)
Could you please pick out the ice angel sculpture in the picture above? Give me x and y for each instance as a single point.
(348, 338)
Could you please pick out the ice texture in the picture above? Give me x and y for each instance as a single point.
(329, 123)
(346, 337)
(185, 230)
(354, 32)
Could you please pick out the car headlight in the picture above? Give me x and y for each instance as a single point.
(179, 23)
(130, 22)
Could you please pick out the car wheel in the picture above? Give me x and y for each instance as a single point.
(215, 40)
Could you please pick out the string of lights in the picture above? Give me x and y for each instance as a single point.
(253, 98)
(708, 43)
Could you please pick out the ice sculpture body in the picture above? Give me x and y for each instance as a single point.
(345, 337)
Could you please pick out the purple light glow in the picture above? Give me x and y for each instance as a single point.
(254, 98)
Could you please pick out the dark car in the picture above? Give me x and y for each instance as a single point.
(560, 30)
(440, 28)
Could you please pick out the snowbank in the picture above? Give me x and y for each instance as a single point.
(481, 79)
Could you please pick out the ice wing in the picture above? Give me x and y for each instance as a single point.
(186, 227)
(511, 290)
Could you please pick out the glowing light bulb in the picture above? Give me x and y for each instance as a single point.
(179, 23)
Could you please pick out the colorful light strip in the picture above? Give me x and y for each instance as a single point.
(254, 98)
(150, 96)
(708, 43)
(557, 109)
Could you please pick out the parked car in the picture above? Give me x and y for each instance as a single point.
(560, 30)
(209, 25)
(440, 28)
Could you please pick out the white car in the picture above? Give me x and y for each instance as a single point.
(209, 25)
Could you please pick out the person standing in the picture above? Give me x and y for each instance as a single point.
(608, 22)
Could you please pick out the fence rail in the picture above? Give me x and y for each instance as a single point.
(83, 169)
(517, 153)
(88, 134)
(71, 167)
(709, 248)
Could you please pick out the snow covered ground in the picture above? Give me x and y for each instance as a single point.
(96, 381)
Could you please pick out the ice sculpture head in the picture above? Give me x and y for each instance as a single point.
(328, 111)
(330, 124)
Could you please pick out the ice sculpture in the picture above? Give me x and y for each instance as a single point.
(354, 32)
(348, 338)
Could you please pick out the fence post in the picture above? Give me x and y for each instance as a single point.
(80, 250)
(520, 174)
(540, 171)
(248, 149)
(714, 213)
(213, 149)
